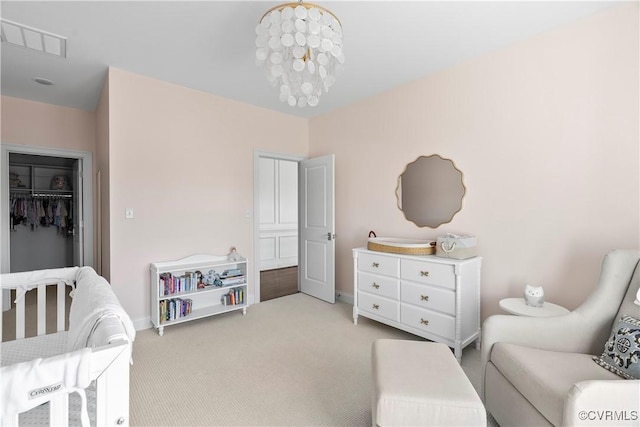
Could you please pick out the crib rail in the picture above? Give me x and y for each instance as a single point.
(25, 282)
(112, 385)
(41, 305)
(110, 370)
(110, 354)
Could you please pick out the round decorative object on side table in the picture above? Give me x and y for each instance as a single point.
(518, 307)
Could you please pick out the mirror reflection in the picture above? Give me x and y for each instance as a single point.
(430, 191)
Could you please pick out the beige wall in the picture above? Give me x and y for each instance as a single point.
(546, 135)
(34, 124)
(545, 132)
(183, 160)
(44, 125)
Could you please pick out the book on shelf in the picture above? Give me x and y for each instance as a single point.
(174, 308)
(235, 296)
(170, 284)
(232, 272)
(237, 280)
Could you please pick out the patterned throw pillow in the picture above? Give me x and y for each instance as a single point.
(622, 351)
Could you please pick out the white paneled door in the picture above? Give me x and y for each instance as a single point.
(278, 225)
(317, 228)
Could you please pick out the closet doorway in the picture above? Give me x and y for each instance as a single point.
(43, 213)
(47, 210)
(276, 223)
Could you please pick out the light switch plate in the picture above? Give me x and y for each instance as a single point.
(128, 213)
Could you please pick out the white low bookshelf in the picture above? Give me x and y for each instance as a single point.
(197, 286)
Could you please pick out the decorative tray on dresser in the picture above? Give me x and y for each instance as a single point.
(432, 297)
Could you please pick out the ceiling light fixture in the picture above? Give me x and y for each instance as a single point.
(300, 49)
(43, 81)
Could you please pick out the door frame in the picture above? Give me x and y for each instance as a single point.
(87, 196)
(257, 155)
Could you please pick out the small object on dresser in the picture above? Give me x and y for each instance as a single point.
(402, 246)
(534, 296)
(456, 246)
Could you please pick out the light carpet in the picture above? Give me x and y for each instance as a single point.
(291, 361)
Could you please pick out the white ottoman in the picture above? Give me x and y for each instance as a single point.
(418, 383)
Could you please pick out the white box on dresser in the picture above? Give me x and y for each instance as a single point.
(432, 297)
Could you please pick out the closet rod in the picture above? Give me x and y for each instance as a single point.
(57, 195)
(62, 196)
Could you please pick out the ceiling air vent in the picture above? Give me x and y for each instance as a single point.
(32, 38)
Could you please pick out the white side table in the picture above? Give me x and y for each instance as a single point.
(518, 307)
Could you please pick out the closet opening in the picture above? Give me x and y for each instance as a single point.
(44, 212)
(47, 209)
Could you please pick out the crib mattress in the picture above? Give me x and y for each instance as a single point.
(34, 347)
(46, 346)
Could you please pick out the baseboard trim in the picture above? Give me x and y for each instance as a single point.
(344, 297)
(142, 324)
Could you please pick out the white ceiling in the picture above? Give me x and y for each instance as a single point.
(210, 45)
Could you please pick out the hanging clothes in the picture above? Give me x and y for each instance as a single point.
(34, 212)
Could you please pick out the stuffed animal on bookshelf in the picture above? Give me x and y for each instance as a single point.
(200, 279)
(208, 278)
(234, 255)
(212, 278)
(533, 295)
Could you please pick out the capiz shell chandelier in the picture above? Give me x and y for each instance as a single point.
(300, 49)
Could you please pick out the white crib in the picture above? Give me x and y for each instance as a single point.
(40, 375)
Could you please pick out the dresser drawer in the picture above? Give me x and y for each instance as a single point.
(431, 297)
(427, 320)
(380, 306)
(379, 285)
(389, 266)
(428, 272)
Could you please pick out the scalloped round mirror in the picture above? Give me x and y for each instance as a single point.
(430, 191)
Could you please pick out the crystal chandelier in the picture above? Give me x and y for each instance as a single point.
(300, 49)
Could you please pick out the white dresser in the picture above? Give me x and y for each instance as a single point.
(434, 298)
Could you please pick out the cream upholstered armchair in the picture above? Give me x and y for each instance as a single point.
(539, 371)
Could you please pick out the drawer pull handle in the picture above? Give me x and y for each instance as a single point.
(424, 322)
(375, 285)
(376, 306)
(424, 297)
(424, 274)
(375, 265)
